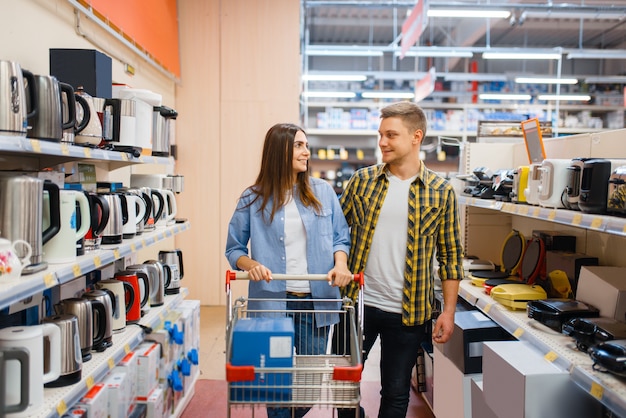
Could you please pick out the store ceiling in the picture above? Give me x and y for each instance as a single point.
(589, 24)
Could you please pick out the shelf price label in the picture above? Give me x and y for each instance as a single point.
(116, 253)
(126, 348)
(61, 407)
(551, 356)
(111, 363)
(551, 215)
(76, 270)
(36, 145)
(124, 156)
(49, 281)
(596, 223)
(488, 307)
(597, 391)
(577, 219)
(518, 333)
(523, 210)
(87, 152)
(97, 261)
(89, 382)
(133, 247)
(65, 149)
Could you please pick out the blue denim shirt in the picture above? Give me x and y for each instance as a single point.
(326, 233)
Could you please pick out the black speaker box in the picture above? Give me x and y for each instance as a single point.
(88, 68)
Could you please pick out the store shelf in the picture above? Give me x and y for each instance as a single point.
(25, 286)
(555, 347)
(58, 400)
(601, 223)
(59, 152)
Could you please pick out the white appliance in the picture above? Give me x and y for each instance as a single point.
(145, 100)
(553, 182)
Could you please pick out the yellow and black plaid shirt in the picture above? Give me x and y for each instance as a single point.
(433, 224)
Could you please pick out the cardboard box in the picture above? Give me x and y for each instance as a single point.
(96, 401)
(451, 388)
(128, 365)
(155, 404)
(479, 406)
(518, 382)
(465, 347)
(605, 288)
(83, 67)
(263, 342)
(118, 388)
(148, 357)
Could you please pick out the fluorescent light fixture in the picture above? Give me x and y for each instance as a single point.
(431, 52)
(387, 95)
(606, 80)
(565, 97)
(334, 77)
(521, 55)
(497, 14)
(504, 96)
(329, 94)
(608, 54)
(472, 77)
(362, 52)
(545, 80)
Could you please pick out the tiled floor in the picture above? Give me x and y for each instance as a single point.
(210, 397)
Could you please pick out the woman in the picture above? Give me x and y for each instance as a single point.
(295, 226)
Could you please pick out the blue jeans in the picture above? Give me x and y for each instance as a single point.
(309, 339)
(399, 347)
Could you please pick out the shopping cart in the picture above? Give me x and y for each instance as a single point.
(285, 378)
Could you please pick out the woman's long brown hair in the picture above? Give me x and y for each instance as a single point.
(276, 177)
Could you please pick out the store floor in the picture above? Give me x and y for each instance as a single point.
(210, 396)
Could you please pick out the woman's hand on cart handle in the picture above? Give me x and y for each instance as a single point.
(339, 276)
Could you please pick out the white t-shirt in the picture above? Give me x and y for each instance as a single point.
(295, 248)
(384, 272)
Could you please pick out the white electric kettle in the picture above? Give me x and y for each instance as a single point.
(10, 263)
(43, 343)
(62, 247)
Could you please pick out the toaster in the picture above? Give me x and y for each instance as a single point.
(553, 181)
(594, 184)
(553, 313)
(572, 188)
(531, 192)
(616, 202)
(520, 182)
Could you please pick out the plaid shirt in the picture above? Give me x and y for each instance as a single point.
(433, 224)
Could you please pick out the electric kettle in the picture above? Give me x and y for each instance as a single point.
(173, 259)
(164, 277)
(87, 117)
(13, 355)
(14, 112)
(43, 344)
(162, 130)
(21, 214)
(71, 359)
(85, 310)
(136, 210)
(107, 298)
(62, 246)
(99, 211)
(118, 216)
(134, 304)
(49, 122)
(124, 118)
(120, 291)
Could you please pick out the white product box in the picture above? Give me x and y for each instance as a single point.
(605, 288)
(96, 401)
(166, 364)
(479, 406)
(448, 379)
(148, 358)
(155, 404)
(129, 365)
(194, 306)
(118, 388)
(518, 382)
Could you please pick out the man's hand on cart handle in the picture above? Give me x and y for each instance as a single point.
(339, 276)
(260, 272)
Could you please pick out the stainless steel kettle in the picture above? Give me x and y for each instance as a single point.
(173, 259)
(118, 216)
(84, 310)
(14, 112)
(48, 122)
(21, 214)
(71, 359)
(162, 130)
(108, 300)
(89, 130)
(164, 278)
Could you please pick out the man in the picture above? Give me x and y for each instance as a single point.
(401, 214)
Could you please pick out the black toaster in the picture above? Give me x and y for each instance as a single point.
(594, 185)
(554, 312)
(616, 202)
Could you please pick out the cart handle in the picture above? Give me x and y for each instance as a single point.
(243, 275)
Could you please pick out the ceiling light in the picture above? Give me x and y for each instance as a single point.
(329, 94)
(345, 52)
(472, 77)
(521, 55)
(606, 80)
(598, 54)
(387, 95)
(334, 77)
(504, 96)
(497, 14)
(432, 52)
(565, 97)
(545, 80)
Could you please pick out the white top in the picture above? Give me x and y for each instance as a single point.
(384, 271)
(295, 248)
